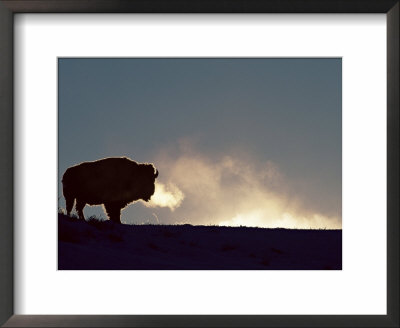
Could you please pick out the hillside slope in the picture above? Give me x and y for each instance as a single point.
(104, 245)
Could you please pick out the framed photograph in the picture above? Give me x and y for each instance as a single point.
(209, 192)
(217, 164)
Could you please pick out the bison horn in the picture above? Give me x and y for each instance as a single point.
(156, 174)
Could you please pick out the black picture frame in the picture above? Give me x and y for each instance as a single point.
(10, 7)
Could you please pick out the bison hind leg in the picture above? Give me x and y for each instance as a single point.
(69, 204)
(113, 211)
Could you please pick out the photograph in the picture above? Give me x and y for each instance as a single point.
(210, 163)
(199, 163)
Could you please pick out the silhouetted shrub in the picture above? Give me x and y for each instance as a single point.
(95, 221)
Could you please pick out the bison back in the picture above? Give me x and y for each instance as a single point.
(98, 182)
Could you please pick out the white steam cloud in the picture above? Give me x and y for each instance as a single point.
(232, 190)
(166, 196)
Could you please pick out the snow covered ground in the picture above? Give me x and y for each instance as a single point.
(104, 245)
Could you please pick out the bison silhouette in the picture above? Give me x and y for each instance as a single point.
(113, 182)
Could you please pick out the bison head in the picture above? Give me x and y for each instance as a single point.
(149, 173)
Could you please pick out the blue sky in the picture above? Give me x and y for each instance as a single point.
(264, 134)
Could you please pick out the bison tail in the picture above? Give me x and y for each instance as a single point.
(68, 195)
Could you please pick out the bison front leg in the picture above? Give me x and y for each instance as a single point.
(114, 212)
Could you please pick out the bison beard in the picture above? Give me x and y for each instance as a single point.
(113, 182)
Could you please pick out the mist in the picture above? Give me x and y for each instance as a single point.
(231, 189)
